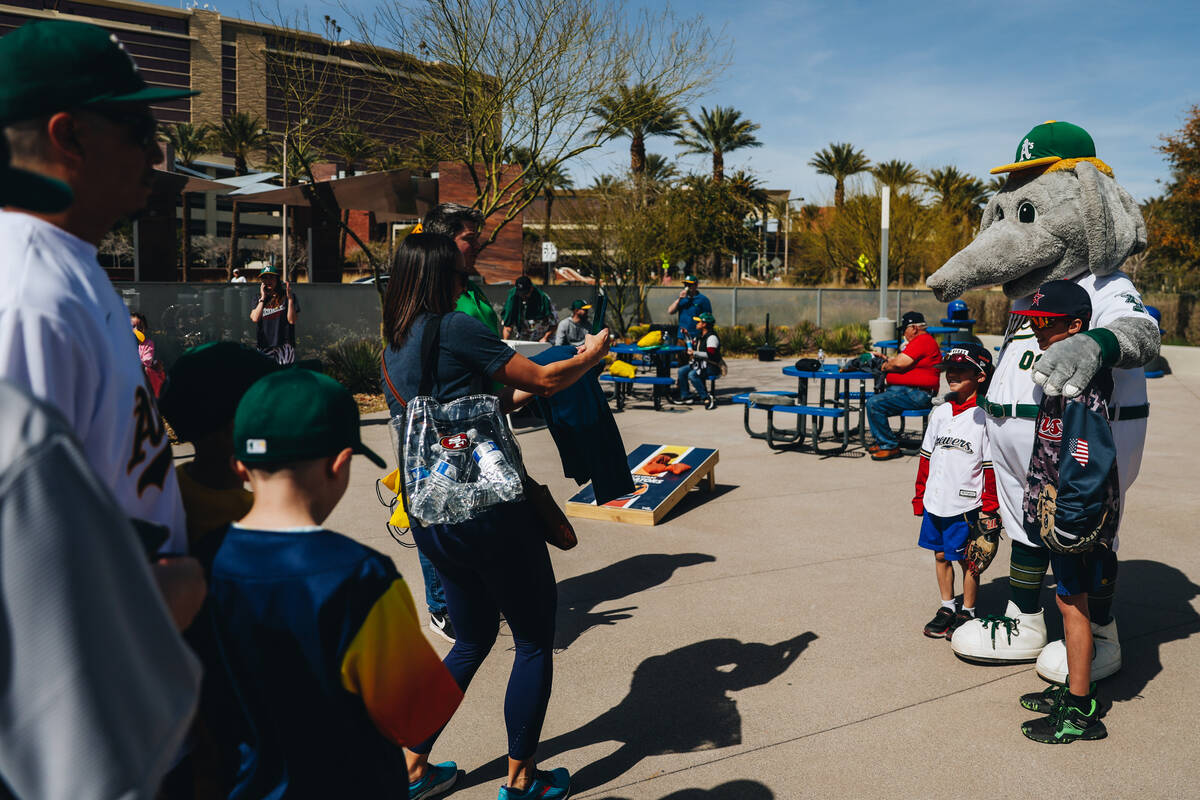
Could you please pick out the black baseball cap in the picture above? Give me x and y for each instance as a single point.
(1059, 299)
(969, 353)
(911, 318)
(524, 284)
(578, 304)
(29, 190)
(297, 415)
(55, 65)
(206, 383)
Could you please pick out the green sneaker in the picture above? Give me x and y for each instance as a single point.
(1065, 724)
(1044, 702)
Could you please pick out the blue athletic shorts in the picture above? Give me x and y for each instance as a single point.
(1082, 573)
(947, 534)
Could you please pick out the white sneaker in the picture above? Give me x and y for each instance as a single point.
(1010, 639)
(1052, 663)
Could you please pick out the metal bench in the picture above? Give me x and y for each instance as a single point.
(785, 403)
(624, 387)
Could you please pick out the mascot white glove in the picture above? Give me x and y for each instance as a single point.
(1068, 366)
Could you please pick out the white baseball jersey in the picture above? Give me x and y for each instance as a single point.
(958, 451)
(65, 336)
(1011, 438)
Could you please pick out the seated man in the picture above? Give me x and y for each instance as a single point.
(704, 358)
(574, 328)
(912, 381)
(528, 313)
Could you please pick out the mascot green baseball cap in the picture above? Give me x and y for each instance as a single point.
(1050, 142)
(297, 415)
(28, 190)
(55, 65)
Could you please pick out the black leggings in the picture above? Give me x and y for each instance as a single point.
(497, 563)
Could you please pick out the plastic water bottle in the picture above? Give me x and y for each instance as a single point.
(821, 356)
(441, 500)
(501, 477)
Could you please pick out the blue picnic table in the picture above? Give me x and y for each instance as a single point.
(810, 418)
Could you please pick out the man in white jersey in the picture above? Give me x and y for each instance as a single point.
(75, 108)
(1059, 216)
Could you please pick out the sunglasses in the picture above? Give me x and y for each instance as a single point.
(1041, 323)
(141, 125)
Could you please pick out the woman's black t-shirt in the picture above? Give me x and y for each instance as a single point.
(274, 330)
(468, 355)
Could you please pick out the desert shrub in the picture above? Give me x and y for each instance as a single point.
(802, 337)
(736, 339)
(845, 340)
(355, 363)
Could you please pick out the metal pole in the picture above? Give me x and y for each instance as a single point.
(884, 217)
(734, 322)
(285, 217)
(819, 294)
(787, 230)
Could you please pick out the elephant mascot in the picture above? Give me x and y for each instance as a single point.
(1059, 216)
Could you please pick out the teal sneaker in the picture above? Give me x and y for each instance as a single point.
(1045, 701)
(1066, 723)
(438, 779)
(553, 785)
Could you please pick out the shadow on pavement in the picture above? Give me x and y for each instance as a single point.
(698, 497)
(1153, 607)
(578, 596)
(678, 702)
(733, 790)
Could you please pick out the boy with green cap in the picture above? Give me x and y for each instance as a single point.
(318, 666)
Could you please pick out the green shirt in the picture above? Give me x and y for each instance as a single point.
(474, 303)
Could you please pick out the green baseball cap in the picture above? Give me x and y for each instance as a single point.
(705, 317)
(578, 304)
(205, 384)
(54, 65)
(1050, 142)
(690, 279)
(297, 415)
(269, 269)
(28, 190)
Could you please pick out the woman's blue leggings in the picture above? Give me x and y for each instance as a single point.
(498, 563)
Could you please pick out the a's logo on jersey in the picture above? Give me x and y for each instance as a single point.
(148, 429)
(458, 441)
(1050, 429)
(1133, 300)
(1079, 451)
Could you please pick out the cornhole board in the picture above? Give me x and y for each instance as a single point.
(663, 475)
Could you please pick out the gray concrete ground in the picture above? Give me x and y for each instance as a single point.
(765, 641)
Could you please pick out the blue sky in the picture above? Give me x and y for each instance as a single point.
(937, 83)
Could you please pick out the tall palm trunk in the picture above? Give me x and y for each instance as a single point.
(637, 154)
(186, 238)
(839, 193)
(718, 166)
(233, 240)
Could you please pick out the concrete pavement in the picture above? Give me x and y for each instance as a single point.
(765, 641)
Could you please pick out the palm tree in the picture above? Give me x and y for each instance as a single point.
(351, 147)
(748, 189)
(659, 171)
(189, 143)
(239, 135)
(996, 184)
(718, 133)
(549, 178)
(839, 161)
(637, 111)
(955, 191)
(605, 184)
(896, 175)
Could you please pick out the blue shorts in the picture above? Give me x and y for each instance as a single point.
(1083, 573)
(947, 534)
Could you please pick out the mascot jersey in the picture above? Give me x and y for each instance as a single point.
(1113, 297)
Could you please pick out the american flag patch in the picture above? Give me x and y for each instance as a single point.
(1079, 451)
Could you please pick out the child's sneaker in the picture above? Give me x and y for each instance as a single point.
(1066, 723)
(959, 618)
(1047, 700)
(438, 779)
(938, 626)
(553, 785)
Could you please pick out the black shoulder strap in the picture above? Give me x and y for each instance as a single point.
(431, 339)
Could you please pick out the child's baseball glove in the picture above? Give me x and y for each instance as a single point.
(984, 541)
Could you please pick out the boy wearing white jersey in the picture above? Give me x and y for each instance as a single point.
(955, 482)
(75, 108)
(1011, 407)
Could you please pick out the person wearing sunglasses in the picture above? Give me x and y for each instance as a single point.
(74, 108)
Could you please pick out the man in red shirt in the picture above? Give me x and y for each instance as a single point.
(912, 381)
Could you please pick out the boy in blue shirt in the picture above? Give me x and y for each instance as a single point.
(317, 668)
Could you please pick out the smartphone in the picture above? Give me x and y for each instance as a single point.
(599, 311)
